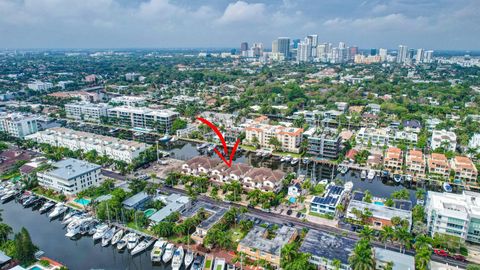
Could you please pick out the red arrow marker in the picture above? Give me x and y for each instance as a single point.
(225, 148)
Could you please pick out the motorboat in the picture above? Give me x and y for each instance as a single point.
(219, 264)
(108, 236)
(157, 251)
(343, 169)
(168, 254)
(266, 153)
(288, 158)
(209, 261)
(324, 182)
(74, 228)
(348, 186)
(123, 242)
(385, 174)
(8, 196)
(93, 229)
(177, 259)
(397, 178)
(211, 147)
(363, 174)
(198, 263)
(447, 187)
(189, 256)
(144, 244)
(165, 139)
(30, 201)
(100, 231)
(70, 217)
(201, 146)
(59, 209)
(117, 237)
(306, 160)
(132, 241)
(408, 178)
(294, 161)
(45, 207)
(259, 153)
(371, 175)
(88, 225)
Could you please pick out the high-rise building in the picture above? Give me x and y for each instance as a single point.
(382, 52)
(410, 54)
(257, 49)
(352, 52)
(342, 52)
(313, 41)
(428, 58)
(283, 44)
(419, 56)
(243, 46)
(275, 46)
(373, 51)
(295, 43)
(304, 51)
(402, 53)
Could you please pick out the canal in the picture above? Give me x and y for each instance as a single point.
(81, 254)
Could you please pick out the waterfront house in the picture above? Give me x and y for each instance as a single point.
(415, 163)
(464, 169)
(173, 203)
(393, 159)
(327, 204)
(264, 179)
(295, 190)
(200, 165)
(438, 164)
(137, 201)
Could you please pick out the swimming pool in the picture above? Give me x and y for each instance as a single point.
(35, 268)
(379, 203)
(293, 199)
(149, 212)
(82, 201)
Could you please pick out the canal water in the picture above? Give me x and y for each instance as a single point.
(81, 254)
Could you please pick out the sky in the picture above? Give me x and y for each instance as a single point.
(429, 24)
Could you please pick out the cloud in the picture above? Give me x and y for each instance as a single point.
(241, 11)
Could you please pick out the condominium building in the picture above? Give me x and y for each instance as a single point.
(145, 118)
(87, 111)
(111, 147)
(324, 145)
(454, 214)
(70, 176)
(444, 139)
(464, 169)
(438, 164)
(393, 159)
(375, 137)
(260, 244)
(289, 137)
(415, 162)
(40, 86)
(131, 101)
(18, 125)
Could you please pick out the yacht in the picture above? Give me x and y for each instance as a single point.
(397, 178)
(343, 169)
(68, 216)
(9, 195)
(348, 186)
(88, 225)
(132, 241)
(209, 260)
(123, 242)
(189, 255)
(31, 200)
(201, 146)
(59, 209)
(294, 161)
(73, 228)
(371, 175)
(100, 231)
(363, 174)
(266, 153)
(165, 138)
(197, 263)
(117, 237)
(447, 187)
(108, 236)
(177, 259)
(144, 244)
(167, 255)
(46, 206)
(157, 251)
(259, 153)
(219, 264)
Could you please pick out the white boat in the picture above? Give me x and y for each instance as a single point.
(167, 255)
(67, 218)
(259, 153)
(266, 153)
(324, 182)
(100, 231)
(157, 251)
(294, 161)
(201, 146)
(343, 169)
(306, 160)
(132, 241)
(117, 237)
(397, 178)
(9, 195)
(211, 147)
(46, 206)
(198, 263)
(447, 187)
(219, 264)
(348, 186)
(88, 225)
(371, 175)
(189, 255)
(144, 244)
(177, 259)
(288, 158)
(108, 236)
(363, 174)
(73, 228)
(30, 200)
(59, 209)
(123, 242)
(408, 178)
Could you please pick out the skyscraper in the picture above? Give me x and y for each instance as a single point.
(275, 46)
(352, 52)
(383, 54)
(313, 41)
(295, 43)
(373, 51)
(283, 44)
(402, 53)
(411, 53)
(428, 58)
(304, 52)
(419, 56)
(243, 46)
(342, 52)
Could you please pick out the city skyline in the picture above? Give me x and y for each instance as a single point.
(438, 25)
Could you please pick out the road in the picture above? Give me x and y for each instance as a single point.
(283, 219)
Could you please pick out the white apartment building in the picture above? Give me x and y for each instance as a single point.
(40, 86)
(131, 101)
(454, 214)
(145, 118)
(111, 147)
(86, 111)
(474, 142)
(377, 137)
(71, 176)
(289, 137)
(181, 99)
(18, 125)
(443, 138)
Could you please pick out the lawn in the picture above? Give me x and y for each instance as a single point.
(237, 234)
(321, 215)
(138, 228)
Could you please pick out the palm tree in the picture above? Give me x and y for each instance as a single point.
(403, 237)
(388, 266)
(387, 234)
(422, 258)
(362, 256)
(336, 263)
(5, 231)
(367, 233)
(288, 252)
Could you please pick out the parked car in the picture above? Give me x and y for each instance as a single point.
(289, 212)
(459, 257)
(440, 252)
